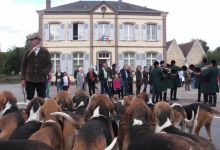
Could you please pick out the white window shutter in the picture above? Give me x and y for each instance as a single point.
(121, 32)
(46, 32)
(70, 31)
(63, 64)
(159, 32)
(144, 32)
(86, 32)
(138, 59)
(96, 31)
(86, 62)
(112, 32)
(62, 32)
(143, 60)
(120, 60)
(137, 32)
(69, 63)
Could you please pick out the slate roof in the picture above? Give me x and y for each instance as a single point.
(168, 44)
(87, 6)
(186, 47)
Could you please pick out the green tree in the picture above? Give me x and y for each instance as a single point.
(214, 55)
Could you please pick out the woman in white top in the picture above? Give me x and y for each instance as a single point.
(80, 79)
(66, 81)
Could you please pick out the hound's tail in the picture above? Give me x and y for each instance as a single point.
(68, 117)
(112, 145)
(215, 112)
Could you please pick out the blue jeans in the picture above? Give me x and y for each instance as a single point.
(125, 87)
(193, 82)
(104, 87)
(59, 86)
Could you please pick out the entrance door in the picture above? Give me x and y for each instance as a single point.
(104, 58)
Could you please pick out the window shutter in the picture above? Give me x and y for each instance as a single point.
(62, 31)
(70, 31)
(137, 33)
(96, 31)
(63, 66)
(144, 32)
(69, 63)
(46, 32)
(86, 32)
(112, 32)
(120, 60)
(86, 62)
(138, 59)
(159, 57)
(121, 32)
(159, 32)
(143, 60)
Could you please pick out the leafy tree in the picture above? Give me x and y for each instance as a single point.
(214, 55)
(204, 45)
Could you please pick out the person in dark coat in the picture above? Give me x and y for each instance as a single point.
(156, 75)
(35, 67)
(174, 80)
(139, 80)
(145, 74)
(103, 78)
(91, 77)
(209, 86)
(164, 81)
(130, 80)
(124, 75)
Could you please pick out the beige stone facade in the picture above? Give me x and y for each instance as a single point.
(186, 53)
(127, 39)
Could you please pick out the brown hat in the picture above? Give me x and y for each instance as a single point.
(34, 36)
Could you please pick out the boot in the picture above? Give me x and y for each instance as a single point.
(175, 92)
(205, 98)
(171, 94)
(214, 100)
(165, 96)
(157, 97)
(199, 96)
(210, 99)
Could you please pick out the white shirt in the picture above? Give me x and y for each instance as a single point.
(65, 81)
(36, 49)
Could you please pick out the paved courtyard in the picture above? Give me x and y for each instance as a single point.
(185, 97)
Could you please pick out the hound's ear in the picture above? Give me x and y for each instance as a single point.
(41, 114)
(172, 115)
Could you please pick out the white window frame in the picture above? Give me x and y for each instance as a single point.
(129, 58)
(53, 36)
(79, 37)
(78, 58)
(151, 31)
(129, 36)
(151, 58)
(54, 61)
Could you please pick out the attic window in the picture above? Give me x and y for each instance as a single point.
(103, 9)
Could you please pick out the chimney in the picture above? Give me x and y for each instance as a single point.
(48, 4)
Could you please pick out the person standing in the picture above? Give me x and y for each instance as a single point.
(145, 78)
(35, 67)
(156, 75)
(80, 79)
(117, 86)
(103, 78)
(75, 74)
(59, 80)
(91, 77)
(174, 80)
(139, 80)
(49, 79)
(209, 84)
(164, 81)
(66, 81)
(124, 75)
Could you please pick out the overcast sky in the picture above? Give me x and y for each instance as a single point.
(187, 19)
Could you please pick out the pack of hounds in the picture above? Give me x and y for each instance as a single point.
(100, 123)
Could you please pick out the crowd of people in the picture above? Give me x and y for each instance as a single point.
(36, 75)
(160, 77)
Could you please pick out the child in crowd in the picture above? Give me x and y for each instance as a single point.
(117, 86)
(66, 81)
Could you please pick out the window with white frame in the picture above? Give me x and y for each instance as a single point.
(78, 59)
(151, 57)
(78, 31)
(55, 59)
(129, 59)
(129, 33)
(151, 32)
(104, 30)
(54, 31)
